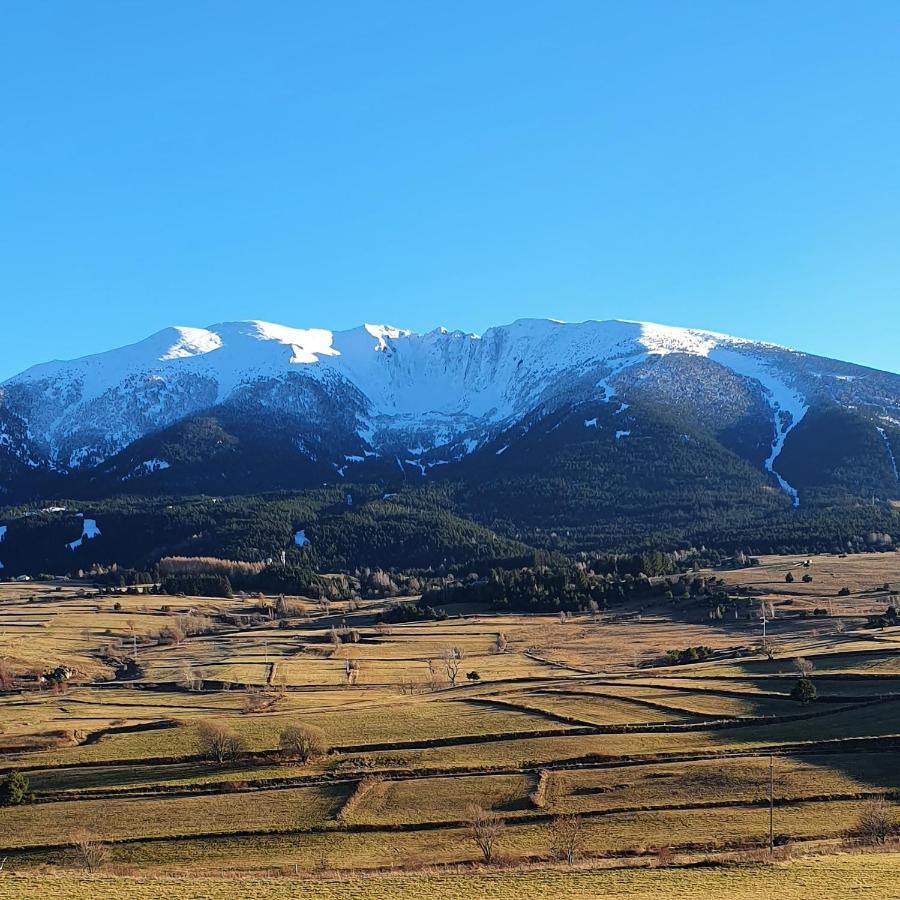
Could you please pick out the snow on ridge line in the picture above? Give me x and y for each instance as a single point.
(185, 343)
(478, 379)
(384, 333)
(700, 336)
(433, 383)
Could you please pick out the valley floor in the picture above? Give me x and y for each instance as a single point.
(570, 716)
(868, 877)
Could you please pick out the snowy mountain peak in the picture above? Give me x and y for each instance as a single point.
(387, 389)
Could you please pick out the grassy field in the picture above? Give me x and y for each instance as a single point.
(826, 878)
(580, 717)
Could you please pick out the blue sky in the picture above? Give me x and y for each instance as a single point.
(727, 165)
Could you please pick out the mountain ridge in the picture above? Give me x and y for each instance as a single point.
(359, 402)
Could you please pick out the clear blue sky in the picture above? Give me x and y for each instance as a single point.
(727, 165)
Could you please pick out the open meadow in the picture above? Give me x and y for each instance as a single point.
(530, 719)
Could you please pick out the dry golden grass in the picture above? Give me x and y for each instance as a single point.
(592, 708)
(826, 878)
(438, 749)
(128, 818)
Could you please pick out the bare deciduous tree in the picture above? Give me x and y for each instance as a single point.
(190, 679)
(803, 666)
(89, 850)
(567, 837)
(303, 742)
(484, 827)
(452, 659)
(433, 678)
(875, 824)
(218, 742)
(254, 700)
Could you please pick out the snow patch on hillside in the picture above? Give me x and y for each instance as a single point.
(617, 366)
(787, 404)
(887, 445)
(306, 344)
(191, 342)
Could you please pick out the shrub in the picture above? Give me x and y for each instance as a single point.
(172, 633)
(90, 851)
(874, 824)
(803, 691)
(688, 655)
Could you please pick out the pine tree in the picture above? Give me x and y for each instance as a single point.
(14, 790)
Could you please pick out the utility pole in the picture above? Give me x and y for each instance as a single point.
(771, 804)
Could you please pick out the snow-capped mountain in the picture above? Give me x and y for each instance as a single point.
(350, 404)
